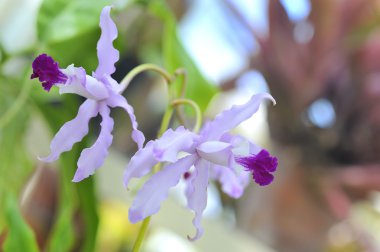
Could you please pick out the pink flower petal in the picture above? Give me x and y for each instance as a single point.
(140, 164)
(196, 194)
(233, 184)
(117, 100)
(167, 147)
(92, 158)
(229, 119)
(73, 131)
(82, 84)
(107, 54)
(155, 190)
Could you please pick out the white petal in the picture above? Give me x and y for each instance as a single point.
(215, 152)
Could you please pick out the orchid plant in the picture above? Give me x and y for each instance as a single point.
(102, 93)
(212, 154)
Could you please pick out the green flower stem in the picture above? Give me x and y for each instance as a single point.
(183, 72)
(198, 113)
(144, 226)
(164, 126)
(141, 234)
(165, 120)
(139, 69)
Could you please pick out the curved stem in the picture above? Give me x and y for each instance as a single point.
(198, 113)
(165, 120)
(139, 69)
(145, 224)
(183, 72)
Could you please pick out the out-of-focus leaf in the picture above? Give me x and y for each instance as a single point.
(60, 20)
(63, 234)
(88, 206)
(79, 50)
(69, 31)
(15, 165)
(175, 56)
(20, 237)
(73, 196)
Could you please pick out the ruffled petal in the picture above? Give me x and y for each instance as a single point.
(196, 194)
(261, 165)
(47, 71)
(72, 131)
(92, 158)
(117, 100)
(107, 54)
(233, 184)
(167, 147)
(155, 190)
(140, 164)
(231, 118)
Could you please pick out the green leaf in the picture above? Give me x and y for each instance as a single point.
(88, 206)
(175, 56)
(75, 198)
(69, 31)
(15, 164)
(20, 237)
(79, 50)
(59, 20)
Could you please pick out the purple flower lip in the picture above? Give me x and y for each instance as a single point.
(260, 165)
(47, 71)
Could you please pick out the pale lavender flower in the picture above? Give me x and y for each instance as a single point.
(214, 153)
(102, 93)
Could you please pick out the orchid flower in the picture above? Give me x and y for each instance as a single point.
(102, 93)
(213, 153)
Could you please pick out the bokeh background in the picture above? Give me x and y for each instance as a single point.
(318, 58)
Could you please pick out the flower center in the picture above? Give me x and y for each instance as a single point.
(47, 71)
(260, 165)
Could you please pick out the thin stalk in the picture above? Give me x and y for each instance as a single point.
(183, 72)
(139, 69)
(198, 113)
(145, 224)
(165, 120)
(141, 234)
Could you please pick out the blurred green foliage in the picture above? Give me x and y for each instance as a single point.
(174, 55)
